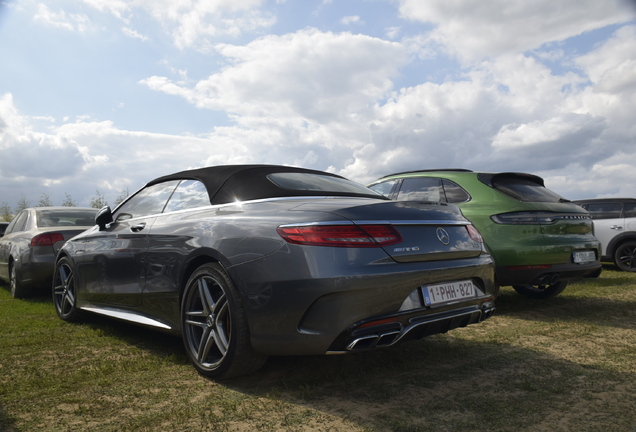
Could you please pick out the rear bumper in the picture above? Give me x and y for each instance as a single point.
(314, 316)
(416, 326)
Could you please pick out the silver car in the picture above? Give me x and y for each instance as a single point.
(30, 244)
(615, 227)
(254, 260)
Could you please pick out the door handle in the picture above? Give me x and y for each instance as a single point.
(138, 227)
(616, 227)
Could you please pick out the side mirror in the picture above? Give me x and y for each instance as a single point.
(104, 217)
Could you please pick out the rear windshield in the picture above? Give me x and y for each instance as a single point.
(319, 183)
(525, 190)
(61, 218)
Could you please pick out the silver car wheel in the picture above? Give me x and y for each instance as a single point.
(214, 325)
(208, 322)
(17, 290)
(625, 256)
(64, 291)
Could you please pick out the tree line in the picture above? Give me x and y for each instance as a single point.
(97, 201)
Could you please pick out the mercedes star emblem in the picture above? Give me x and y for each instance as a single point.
(443, 236)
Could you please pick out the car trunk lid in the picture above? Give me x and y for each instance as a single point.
(429, 231)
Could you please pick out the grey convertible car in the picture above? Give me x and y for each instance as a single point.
(246, 261)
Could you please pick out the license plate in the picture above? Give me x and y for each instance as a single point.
(442, 293)
(584, 257)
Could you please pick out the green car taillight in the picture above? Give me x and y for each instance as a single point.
(535, 218)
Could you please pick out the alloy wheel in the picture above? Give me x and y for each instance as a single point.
(626, 256)
(208, 323)
(64, 291)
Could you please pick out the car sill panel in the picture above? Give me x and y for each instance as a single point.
(127, 316)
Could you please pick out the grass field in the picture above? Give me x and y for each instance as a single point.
(563, 364)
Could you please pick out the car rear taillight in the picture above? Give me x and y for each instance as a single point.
(535, 218)
(46, 239)
(474, 233)
(341, 235)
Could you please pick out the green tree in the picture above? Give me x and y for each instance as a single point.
(45, 201)
(22, 204)
(122, 196)
(68, 201)
(5, 212)
(98, 201)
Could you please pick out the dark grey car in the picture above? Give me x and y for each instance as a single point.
(257, 260)
(31, 241)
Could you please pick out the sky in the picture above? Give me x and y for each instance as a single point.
(98, 97)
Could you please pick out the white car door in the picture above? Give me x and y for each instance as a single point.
(608, 221)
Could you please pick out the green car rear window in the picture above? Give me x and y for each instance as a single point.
(525, 190)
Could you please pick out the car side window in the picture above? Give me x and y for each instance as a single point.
(18, 223)
(150, 200)
(189, 194)
(607, 210)
(384, 188)
(630, 209)
(421, 189)
(454, 192)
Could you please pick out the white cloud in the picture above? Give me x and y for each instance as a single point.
(75, 155)
(608, 67)
(325, 100)
(612, 94)
(310, 74)
(476, 30)
(351, 19)
(134, 34)
(119, 8)
(509, 113)
(193, 23)
(512, 113)
(67, 21)
(554, 131)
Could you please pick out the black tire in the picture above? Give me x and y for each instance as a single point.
(18, 291)
(625, 256)
(541, 291)
(65, 291)
(214, 326)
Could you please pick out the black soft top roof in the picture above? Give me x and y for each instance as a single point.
(229, 183)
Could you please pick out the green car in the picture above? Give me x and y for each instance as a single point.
(539, 240)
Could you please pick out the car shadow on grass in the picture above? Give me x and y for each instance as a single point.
(443, 383)
(570, 307)
(7, 423)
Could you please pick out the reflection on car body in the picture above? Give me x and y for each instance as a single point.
(255, 260)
